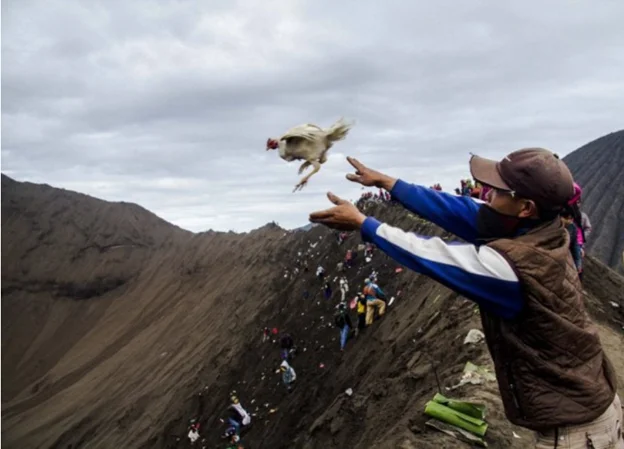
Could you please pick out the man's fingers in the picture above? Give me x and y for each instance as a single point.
(321, 214)
(354, 178)
(334, 199)
(355, 163)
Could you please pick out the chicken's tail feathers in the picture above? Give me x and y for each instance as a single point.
(338, 130)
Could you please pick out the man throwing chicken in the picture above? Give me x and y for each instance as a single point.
(552, 372)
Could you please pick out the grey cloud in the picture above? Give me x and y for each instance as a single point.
(170, 105)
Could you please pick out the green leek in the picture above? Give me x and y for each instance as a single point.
(468, 408)
(448, 415)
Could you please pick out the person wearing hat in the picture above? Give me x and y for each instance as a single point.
(553, 374)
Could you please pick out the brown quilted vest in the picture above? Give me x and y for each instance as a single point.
(550, 366)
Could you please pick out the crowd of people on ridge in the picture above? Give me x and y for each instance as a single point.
(380, 196)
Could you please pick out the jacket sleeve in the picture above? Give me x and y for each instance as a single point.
(480, 273)
(455, 214)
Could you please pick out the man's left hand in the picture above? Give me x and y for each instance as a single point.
(344, 216)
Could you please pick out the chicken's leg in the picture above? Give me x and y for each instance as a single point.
(304, 166)
(304, 181)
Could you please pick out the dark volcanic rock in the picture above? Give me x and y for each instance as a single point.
(598, 167)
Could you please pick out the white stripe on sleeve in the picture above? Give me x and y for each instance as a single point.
(483, 261)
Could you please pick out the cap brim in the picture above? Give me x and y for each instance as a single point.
(486, 172)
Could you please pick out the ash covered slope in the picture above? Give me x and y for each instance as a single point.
(598, 167)
(88, 238)
(109, 314)
(389, 368)
(124, 367)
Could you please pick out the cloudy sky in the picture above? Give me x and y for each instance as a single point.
(169, 103)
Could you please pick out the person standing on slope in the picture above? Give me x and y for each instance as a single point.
(553, 374)
(343, 323)
(288, 375)
(344, 288)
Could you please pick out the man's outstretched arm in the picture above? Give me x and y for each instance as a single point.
(456, 214)
(480, 273)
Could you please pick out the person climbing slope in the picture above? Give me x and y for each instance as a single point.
(238, 416)
(193, 434)
(361, 313)
(343, 323)
(344, 288)
(266, 334)
(553, 374)
(348, 261)
(235, 443)
(288, 375)
(373, 295)
(287, 345)
(327, 290)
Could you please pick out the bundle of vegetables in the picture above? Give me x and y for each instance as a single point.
(462, 416)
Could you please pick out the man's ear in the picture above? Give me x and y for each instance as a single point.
(528, 210)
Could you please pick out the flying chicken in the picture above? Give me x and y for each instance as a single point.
(309, 143)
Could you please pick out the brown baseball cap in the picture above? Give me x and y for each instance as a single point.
(531, 173)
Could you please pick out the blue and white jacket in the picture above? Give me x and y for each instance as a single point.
(478, 272)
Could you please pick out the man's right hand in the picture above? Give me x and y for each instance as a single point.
(369, 177)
